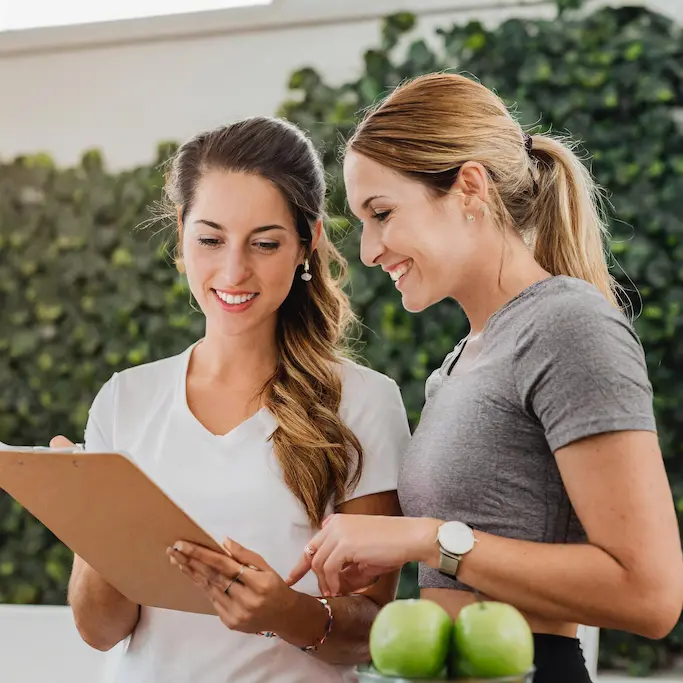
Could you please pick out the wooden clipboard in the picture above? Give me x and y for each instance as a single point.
(106, 510)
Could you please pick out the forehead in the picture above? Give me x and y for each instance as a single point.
(233, 198)
(365, 178)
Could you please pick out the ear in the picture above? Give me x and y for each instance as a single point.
(179, 264)
(316, 233)
(472, 183)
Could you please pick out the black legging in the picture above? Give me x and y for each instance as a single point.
(559, 659)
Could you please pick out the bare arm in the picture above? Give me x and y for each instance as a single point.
(102, 615)
(630, 574)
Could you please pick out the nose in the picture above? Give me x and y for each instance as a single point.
(236, 268)
(371, 245)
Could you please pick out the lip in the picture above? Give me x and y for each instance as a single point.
(391, 269)
(234, 308)
(234, 292)
(399, 266)
(399, 283)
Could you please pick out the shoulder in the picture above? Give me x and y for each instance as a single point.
(360, 378)
(158, 371)
(573, 334)
(370, 400)
(143, 383)
(568, 310)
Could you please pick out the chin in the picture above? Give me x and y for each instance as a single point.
(416, 302)
(413, 305)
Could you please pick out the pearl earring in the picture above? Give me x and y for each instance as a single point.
(306, 276)
(470, 217)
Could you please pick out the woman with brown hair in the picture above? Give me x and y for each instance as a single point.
(535, 475)
(258, 430)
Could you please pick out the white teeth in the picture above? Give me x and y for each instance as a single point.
(399, 272)
(232, 299)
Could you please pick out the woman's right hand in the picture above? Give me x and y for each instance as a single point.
(351, 551)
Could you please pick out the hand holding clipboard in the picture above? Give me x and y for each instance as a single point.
(105, 509)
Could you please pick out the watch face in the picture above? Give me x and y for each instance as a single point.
(456, 538)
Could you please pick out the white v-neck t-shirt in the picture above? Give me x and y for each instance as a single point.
(233, 486)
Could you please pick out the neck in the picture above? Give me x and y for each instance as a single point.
(497, 286)
(244, 360)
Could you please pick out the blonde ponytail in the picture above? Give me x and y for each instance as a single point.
(569, 231)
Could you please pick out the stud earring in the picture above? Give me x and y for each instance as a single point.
(470, 217)
(306, 276)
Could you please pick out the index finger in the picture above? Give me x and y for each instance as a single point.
(302, 568)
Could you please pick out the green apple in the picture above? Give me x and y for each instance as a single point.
(491, 639)
(411, 638)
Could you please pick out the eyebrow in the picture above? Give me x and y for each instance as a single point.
(366, 203)
(262, 228)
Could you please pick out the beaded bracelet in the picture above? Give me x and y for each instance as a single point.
(328, 628)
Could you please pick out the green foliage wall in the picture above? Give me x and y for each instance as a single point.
(84, 293)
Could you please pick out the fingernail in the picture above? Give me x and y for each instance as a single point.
(180, 547)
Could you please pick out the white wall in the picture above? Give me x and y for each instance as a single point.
(40, 644)
(123, 86)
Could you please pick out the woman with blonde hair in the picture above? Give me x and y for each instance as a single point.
(535, 475)
(258, 430)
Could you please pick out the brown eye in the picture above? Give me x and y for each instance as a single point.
(268, 247)
(381, 216)
(209, 241)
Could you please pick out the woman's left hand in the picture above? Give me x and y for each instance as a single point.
(248, 595)
(351, 551)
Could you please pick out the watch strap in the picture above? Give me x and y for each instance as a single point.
(449, 563)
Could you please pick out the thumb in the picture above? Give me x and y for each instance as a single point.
(245, 556)
(60, 442)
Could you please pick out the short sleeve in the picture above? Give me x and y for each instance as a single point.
(372, 407)
(580, 370)
(99, 429)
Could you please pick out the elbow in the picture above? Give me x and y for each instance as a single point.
(97, 641)
(658, 611)
(101, 635)
(659, 623)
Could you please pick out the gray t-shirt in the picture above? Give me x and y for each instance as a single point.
(556, 364)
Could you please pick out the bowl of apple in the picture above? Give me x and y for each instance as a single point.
(416, 641)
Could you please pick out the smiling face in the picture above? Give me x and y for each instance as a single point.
(240, 251)
(423, 241)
